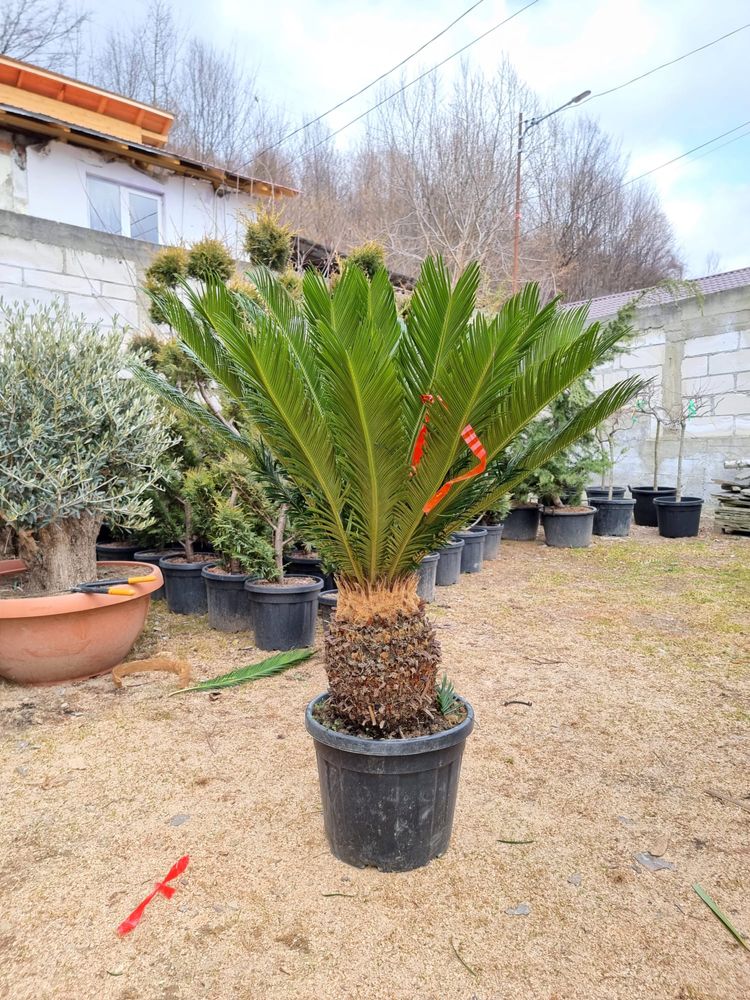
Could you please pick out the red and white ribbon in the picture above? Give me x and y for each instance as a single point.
(472, 442)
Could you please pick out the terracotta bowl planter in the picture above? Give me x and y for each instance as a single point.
(65, 637)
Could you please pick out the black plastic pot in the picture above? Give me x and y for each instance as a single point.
(644, 496)
(522, 523)
(115, 551)
(678, 518)
(613, 517)
(185, 586)
(388, 804)
(602, 493)
(449, 564)
(566, 529)
(327, 603)
(492, 541)
(153, 559)
(284, 615)
(427, 573)
(228, 602)
(472, 554)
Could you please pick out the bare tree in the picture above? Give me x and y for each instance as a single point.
(46, 31)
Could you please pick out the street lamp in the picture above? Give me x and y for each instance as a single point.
(523, 128)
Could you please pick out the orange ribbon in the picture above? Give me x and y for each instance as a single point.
(472, 442)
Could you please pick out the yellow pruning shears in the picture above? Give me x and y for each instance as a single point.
(118, 588)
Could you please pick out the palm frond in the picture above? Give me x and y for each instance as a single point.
(275, 664)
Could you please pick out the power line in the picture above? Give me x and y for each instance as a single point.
(314, 121)
(416, 79)
(642, 76)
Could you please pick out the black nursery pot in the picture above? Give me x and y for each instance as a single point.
(427, 574)
(228, 602)
(388, 804)
(644, 496)
(678, 518)
(522, 523)
(327, 603)
(284, 615)
(602, 492)
(472, 554)
(613, 517)
(568, 529)
(185, 585)
(153, 559)
(492, 541)
(116, 551)
(449, 564)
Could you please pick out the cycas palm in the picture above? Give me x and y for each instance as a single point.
(335, 386)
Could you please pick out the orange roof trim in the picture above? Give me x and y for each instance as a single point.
(41, 91)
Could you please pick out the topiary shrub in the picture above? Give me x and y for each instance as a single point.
(268, 242)
(210, 258)
(369, 257)
(292, 281)
(81, 441)
(167, 267)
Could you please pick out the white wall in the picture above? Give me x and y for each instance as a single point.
(52, 185)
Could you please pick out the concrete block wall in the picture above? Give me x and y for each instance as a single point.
(690, 348)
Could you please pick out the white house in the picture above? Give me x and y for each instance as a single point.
(87, 188)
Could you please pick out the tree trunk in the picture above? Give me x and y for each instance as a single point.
(656, 455)
(382, 668)
(61, 555)
(611, 467)
(278, 540)
(680, 450)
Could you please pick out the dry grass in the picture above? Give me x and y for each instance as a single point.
(635, 657)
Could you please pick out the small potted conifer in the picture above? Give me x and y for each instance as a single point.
(494, 521)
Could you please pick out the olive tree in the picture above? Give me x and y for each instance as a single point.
(80, 441)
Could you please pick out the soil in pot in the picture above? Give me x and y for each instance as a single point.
(492, 541)
(678, 518)
(185, 584)
(613, 517)
(427, 573)
(106, 551)
(154, 558)
(388, 803)
(228, 602)
(522, 523)
(568, 527)
(449, 564)
(472, 554)
(284, 613)
(644, 512)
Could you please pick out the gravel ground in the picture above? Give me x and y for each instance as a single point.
(634, 655)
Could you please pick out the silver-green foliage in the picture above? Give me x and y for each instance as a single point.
(76, 434)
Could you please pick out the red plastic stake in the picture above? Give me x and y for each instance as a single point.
(162, 888)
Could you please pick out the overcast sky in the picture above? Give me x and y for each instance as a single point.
(310, 54)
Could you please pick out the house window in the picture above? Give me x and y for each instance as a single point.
(115, 208)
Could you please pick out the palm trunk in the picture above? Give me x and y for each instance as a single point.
(381, 657)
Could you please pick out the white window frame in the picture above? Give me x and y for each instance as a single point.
(125, 191)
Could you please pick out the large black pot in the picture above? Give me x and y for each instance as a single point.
(327, 603)
(678, 518)
(492, 541)
(602, 493)
(153, 559)
(644, 496)
(388, 803)
(228, 602)
(472, 554)
(613, 517)
(427, 573)
(568, 529)
(116, 551)
(449, 563)
(522, 523)
(284, 616)
(185, 585)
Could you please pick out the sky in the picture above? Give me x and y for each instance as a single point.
(309, 55)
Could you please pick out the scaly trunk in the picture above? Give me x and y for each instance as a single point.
(60, 555)
(381, 657)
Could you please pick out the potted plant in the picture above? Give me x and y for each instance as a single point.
(613, 513)
(448, 569)
(566, 521)
(81, 442)
(472, 554)
(679, 516)
(522, 522)
(644, 512)
(494, 523)
(386, 427)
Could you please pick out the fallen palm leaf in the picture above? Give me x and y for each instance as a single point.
(266, 668)
(467, 967)
(515, 841)
(343, 895)
(721, 916)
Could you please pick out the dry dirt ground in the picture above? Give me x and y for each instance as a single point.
(634, 655)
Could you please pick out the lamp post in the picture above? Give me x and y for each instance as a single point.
(523, 128)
